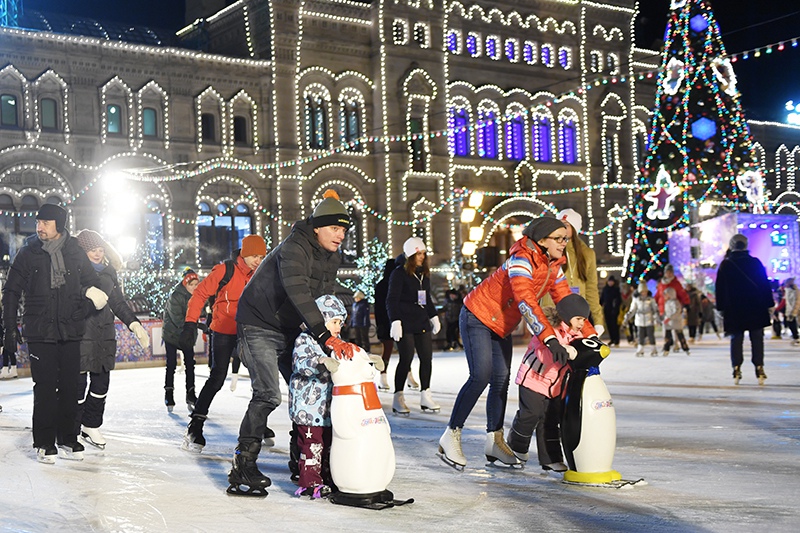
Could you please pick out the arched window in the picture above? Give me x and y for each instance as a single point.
(149, 122)
(515, 138)
(208, 124)
(542, 149)
(567, 141)
(9, 110)
(240, 130)
(459, 133)
(221, 230)
(350, 125)
(48, 114)
(474, 44)
(316, 123)
(487, 135)
(113, 119)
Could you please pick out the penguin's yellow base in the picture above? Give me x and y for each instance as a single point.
(592, 477)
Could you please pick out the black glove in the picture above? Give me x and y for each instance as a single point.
(10, 341)
(202, 326)
(560, 354)
(187, 338)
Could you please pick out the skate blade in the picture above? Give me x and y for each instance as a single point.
(499, 463)
(69, 455)
(88, 440)
(170, 408)
(401, 413)
(449, 462)
(254, 492)
(192, 447)
(430, 409)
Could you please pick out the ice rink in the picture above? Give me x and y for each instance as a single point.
(715, 457)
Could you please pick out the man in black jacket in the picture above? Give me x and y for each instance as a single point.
(59, 285)
(274, 306)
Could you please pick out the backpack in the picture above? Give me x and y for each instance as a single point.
(230, 265)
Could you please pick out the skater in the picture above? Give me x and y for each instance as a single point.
(277, 301)
(611, 300)
(792, 309)
(744, 297)
(310, 392)
(359, 320)
(452, 308)
(707, 312)
(99, 345)
(414, 321)
(59, 286)
(668, 279)
(174, 318)
(644, 313)
(490, 313)
(382, 325)
(224, 284)
(693, 311)
(626, 299)
(673, 321)
(9, 368)
(541, 379)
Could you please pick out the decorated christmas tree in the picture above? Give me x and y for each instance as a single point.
(699, 148)
(370, 269)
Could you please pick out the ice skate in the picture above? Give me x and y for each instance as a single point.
(522, 456)
(193, 440)
(426, 402)
(245, 478)
(737, 374)
(654, 353)
(191, 399)
(383, 383)
(47, 455)
(450, 448)
(496, 449)
(640, 351)
(5, 372)
(665, 353)
(315, 493)
(12, 372)
(399, 406)
(555, 467)
(234, 381)
(71, 452)
(411, 382)
(687, 351)
(268, 439)
(93, 437)
(169, 400)
(760, 375)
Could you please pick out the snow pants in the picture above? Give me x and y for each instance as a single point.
(314, 443)
(537, 413)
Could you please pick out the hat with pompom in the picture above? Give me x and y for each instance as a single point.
(189, 275)
(330, 212)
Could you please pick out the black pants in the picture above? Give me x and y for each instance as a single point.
(756, 347)
(223, 346)
(712, 323)
(543, 415)
(792, 325)
(361, 336)
(172, 362)
(669, 342)
(612, 327)
(55, 369)
(452, 334)
(424, 345)
(91, 403)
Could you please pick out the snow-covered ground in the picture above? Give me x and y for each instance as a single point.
(715, 457)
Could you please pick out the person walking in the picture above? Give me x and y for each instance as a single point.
(644, 312)
(99, 344)
(611, 300)
(452, 308)
(359, 320)
(174, 318)
(382, 325)
(745, 299)
(225, 290)
(693, 311)
(59, 286)
(414, 321)
(792, 309)
(708, 315)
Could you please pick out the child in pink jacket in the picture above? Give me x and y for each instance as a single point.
(542, 382)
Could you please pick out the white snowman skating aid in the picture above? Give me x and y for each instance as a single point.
(362, 456)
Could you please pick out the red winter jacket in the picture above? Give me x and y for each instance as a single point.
(513, 291)
(680, 292)
(224, 310)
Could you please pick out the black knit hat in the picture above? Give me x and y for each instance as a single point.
(330, 212)
(572, 305)
(541, 227)
(53, 212)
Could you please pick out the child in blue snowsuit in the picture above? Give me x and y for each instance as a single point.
(310, 392)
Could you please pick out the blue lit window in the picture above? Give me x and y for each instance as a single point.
(472, 45)
(547, 55)
(459, 137)
(564, 58)
(529, 53)
(487, 135)
(453, 43)
(350, 125)
(515, 138)
(541, 140)
(567, 141)
(492, 47)
(511, 50)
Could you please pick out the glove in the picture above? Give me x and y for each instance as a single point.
(436, 326)
(560, 354)
(340, 349)
(98, 297)
(377, 362)
(330, 363)
(573, 353)
(10, 340)
(186, 340)
(141, 334)
(396, 331)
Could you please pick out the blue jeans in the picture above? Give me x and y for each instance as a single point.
(489, 360)
(260, 351)
(222, 347)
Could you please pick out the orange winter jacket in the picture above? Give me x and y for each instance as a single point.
(513, 291)
(224, 310)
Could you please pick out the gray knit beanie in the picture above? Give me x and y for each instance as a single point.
(541, 227)
(572, 305)
(330, 212)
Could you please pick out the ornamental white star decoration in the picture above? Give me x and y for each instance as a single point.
(677, 4)
(752, 183)
(662, 196)
(674, 78)
(723, 70)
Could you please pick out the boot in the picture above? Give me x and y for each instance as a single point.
(737, 374)
(426, 401)
(245, 472)
(234, 381)
(72, 451)
(5, 372)
(555, 467)
(193, 440)
(191, 398)
(640, 351)
(412, 383)
(399, 406)
(12, 372)
(384, 382)
(496, 449)
(47, 454)
(450, 448)
(93, 437)
(760, 375)
(169, 400)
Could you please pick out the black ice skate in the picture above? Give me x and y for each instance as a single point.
(193, 439)
(245, 478)
(169, 400)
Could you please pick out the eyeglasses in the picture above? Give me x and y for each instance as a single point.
(559, 240)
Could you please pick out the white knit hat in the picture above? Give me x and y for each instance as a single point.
(573, 217)
(413, 245)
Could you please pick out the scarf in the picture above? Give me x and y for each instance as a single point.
(58, 270)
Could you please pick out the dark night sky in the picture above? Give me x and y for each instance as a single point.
(766, 83)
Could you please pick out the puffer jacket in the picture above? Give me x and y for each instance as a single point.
(743, 292)
(50, 315)
(644, 311)
(673, 315)
(280, 295)
(513, 291)
(539, 372)
(227, 301)
(175, 316)
(402, 301)
(680, 292)
(99, 344)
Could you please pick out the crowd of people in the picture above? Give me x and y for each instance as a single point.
(278, 314)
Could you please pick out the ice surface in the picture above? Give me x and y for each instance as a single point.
(716, 457)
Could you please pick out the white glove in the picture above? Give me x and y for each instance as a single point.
(436, 326)
(377, 362)
(98, 297)
(330, 363)
(141, 334)
(573, 353)
(396, 331)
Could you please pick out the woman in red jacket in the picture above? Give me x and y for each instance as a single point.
(490, 313)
